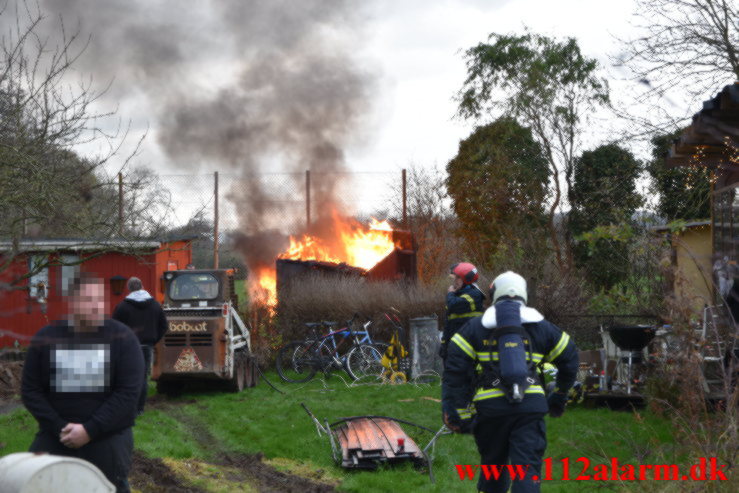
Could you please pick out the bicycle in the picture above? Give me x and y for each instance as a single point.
(299, 361)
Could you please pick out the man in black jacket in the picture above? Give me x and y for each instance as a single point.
(81, 380)
(507, 430)
(146, 318)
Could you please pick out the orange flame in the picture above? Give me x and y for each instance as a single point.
(352, 243)
(264, 285)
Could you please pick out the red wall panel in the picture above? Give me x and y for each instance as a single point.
(21, 316)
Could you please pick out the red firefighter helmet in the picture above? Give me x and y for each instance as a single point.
(465, 271)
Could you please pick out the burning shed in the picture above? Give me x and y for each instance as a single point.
(346, 249)
(290, 270)
(398, 264)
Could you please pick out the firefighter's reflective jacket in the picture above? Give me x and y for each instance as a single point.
(471, 348)
(461, 305)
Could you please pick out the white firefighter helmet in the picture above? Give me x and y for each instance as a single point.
(509, 284)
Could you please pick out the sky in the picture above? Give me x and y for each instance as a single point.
(420, 44)
(412, 49)
(255, 87)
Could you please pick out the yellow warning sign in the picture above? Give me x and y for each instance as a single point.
(188, 361)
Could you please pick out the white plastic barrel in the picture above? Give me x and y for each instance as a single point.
(40, 473)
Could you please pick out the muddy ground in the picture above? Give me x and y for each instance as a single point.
(226, 472)
(10, 378)
(154, 476)
(233, 472)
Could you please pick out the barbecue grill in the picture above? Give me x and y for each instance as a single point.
(632, 339)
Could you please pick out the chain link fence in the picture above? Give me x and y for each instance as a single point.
(282, 197)
(285, 203)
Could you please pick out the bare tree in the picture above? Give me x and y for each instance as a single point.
(691, 45)
(44, 184)
(431, 221)
(147, 204)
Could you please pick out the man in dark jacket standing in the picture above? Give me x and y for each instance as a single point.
(146, 318)
(508, 429)
(81, 380)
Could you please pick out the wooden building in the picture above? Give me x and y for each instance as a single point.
(28, 302)
(712, 140)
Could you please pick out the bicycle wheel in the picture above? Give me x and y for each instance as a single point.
(364, 361)
(301, 349)
(295, 362)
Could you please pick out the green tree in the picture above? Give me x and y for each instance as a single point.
(684, 192)
(548, 86)
(604, 195)
(498, 185)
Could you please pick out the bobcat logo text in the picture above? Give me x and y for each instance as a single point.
(186, 327)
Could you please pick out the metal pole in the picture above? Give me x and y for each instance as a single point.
(215, 222)
(405, 200)
(307, 199)
(120, 204)
(712, 205)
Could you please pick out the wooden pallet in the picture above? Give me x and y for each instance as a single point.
(368, 442)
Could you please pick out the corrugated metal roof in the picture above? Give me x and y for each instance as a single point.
(78, 245)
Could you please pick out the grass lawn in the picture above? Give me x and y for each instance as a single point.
(198, 426)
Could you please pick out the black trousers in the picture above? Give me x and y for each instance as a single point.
(112, 454)
(147, 351)
(516, 439)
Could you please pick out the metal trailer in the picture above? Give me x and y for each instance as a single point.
(206, 339)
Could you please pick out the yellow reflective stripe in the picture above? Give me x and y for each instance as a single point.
(561, 345)
(464, 413)
(469, 299)
(464, 315)
(487, 394)
(491, 393)
(485, 356)
(465, 346)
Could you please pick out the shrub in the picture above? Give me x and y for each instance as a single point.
(316, 298)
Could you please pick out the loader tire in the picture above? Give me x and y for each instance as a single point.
(252, 374)
(238, 381)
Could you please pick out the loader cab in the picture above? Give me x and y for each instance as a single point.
(198, 288)
(206, 338)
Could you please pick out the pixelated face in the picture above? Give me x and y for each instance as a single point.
(88, 303)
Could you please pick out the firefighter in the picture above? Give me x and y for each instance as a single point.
(509, 425)
(463, 301)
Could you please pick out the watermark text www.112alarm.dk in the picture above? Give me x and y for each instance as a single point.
(581, 469)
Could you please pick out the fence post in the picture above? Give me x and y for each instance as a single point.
(405, 200)
(215, 221)
(307, 199)
(120, 204)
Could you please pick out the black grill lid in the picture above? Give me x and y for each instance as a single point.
(631, 337)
